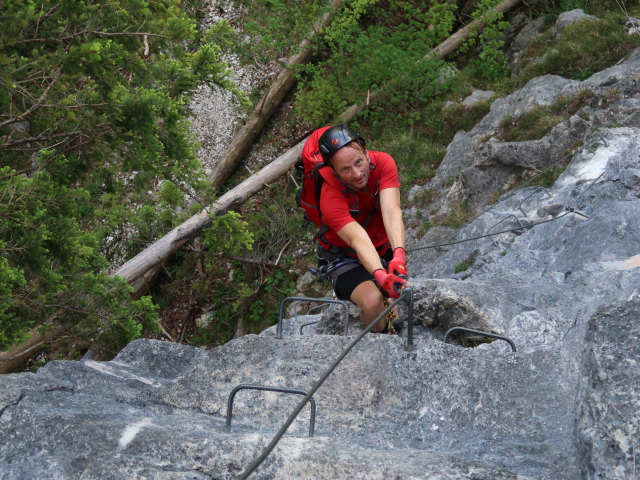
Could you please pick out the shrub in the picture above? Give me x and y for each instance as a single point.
(536, 123)
(417, 156)
(583, 49)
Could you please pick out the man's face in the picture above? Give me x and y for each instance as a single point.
(351, 166)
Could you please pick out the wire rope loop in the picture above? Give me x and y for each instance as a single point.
(520, 227)
(345, 310)
(539, 189)
(479, 332)
(244, 386)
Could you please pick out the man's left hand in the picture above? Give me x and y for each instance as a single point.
(398, 265)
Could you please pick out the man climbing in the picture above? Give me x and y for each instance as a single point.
(362, 230)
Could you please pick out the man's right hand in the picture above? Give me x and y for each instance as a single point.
(392, 284)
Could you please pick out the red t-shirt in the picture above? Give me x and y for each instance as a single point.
(340, 205)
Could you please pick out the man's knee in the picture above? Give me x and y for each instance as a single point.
(370, 301)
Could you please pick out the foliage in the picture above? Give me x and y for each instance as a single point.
(93, 120)
(458, 215)
(239, 282)
(583, 49)
(274, 225)
(461, 267)
(537, 122)
(490, 62)
(467, 263)
(366, 48)
(228, 235)
(416, 154)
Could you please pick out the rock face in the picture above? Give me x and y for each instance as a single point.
(555, 269)
(611, 394)
(478, 165)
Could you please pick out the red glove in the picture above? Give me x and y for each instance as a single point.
(392, 284)
(398, 265)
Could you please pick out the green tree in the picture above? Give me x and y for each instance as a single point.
(95, 152)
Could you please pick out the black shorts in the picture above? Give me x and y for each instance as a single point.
(345, 283)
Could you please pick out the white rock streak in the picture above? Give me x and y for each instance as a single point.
(104, 367)
(131, 432)
(593, 167)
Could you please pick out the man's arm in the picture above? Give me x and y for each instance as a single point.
(392, 216)
(357, 238)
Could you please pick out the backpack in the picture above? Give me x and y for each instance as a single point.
(308, 195)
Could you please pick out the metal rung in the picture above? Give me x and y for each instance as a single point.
(345, 308)
(479, 332)
(312, 402)
(306, 325)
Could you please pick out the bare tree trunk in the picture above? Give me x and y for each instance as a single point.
(442, 50)
(20, 354)
(159, 251)
(265, 108)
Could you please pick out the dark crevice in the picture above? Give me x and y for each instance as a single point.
(13, 404)
(446, 310)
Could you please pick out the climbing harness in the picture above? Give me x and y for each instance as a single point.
(335, 268)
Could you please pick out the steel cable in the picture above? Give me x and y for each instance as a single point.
(522, 227)
(267, 450)
(569, 209)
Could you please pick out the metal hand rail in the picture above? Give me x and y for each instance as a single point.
(479, 332)
(345, 307)
(312, 402)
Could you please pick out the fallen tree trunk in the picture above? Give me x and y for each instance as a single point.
(455, 40)
(445, 48)
(266, 107)
(158, 252)
(20, 354)
(139, 270)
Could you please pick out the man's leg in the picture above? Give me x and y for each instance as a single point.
(367, 296)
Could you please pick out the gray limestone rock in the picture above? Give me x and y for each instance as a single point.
(566, 19)
(478, 96)
(522, 40)
(608, 423)
(477, 166)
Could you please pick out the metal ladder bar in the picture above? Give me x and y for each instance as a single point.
(312, 402)
(479, 332)
(311, 299)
